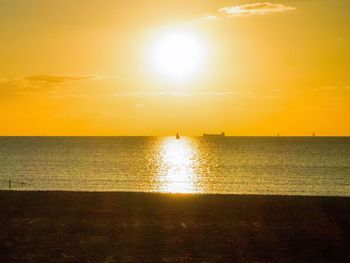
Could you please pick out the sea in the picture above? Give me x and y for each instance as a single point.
(312, 166)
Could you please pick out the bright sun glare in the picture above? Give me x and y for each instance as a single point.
(177, 56)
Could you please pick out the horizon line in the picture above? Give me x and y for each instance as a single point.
(172, 136)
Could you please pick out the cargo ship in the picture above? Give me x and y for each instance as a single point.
(214, 135)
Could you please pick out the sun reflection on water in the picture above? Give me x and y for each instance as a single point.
(177, 171)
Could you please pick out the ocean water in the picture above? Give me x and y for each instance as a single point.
(236, 165)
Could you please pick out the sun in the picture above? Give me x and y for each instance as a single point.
(177, 56)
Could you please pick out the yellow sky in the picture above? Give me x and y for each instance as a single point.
(85, 67)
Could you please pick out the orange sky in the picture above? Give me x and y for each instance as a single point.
(87, 67)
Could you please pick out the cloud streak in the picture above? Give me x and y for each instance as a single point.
(56, 79)
(332, 88)
(37, 83)
(210, 17)
(260, 8)
(176, 94)
(152, 94)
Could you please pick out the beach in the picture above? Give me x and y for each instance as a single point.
(148, 227)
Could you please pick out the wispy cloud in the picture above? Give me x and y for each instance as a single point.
(57, 79)
(38, 83)
(210, 17)
(260, 8)
(151, 94)
(176, 94)
(331, 88)
(225, 93)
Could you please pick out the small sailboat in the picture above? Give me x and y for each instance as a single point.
(177, 136)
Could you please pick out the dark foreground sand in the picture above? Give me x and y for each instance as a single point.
(139, 227)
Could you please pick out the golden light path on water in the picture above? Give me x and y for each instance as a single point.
(178, 163)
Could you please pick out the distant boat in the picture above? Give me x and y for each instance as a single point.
(177, 136)
(214, 135)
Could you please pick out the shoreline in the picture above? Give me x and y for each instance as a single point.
(41, 226)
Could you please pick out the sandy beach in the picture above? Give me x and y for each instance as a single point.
(142, 227)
